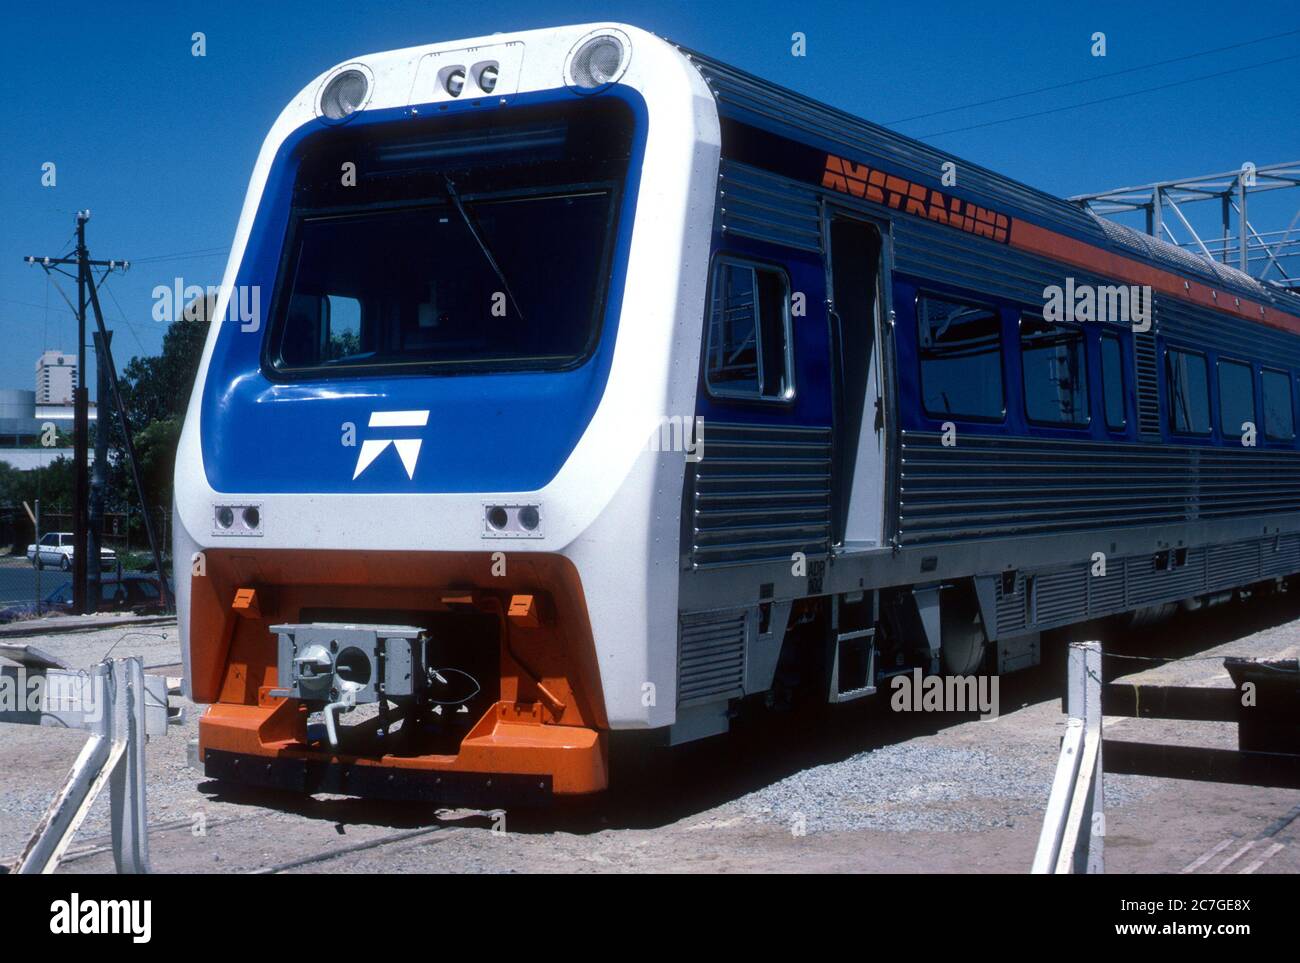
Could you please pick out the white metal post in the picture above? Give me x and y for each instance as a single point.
(1073, 831)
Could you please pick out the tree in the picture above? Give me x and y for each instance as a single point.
(155, 392)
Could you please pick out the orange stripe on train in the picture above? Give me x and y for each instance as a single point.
(897, 193)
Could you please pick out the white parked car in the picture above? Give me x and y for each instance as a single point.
(56, 550)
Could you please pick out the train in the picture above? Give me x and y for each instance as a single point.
(569, 389)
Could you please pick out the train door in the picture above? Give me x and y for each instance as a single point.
(857, 304)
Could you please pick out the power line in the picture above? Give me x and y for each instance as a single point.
(33, 304)
(180, 255)
(1104, 100)
(1089, 80)
(129, 325)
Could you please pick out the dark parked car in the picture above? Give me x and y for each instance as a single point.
(132, 591)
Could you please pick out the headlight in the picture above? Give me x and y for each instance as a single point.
(344, 95)
(455, 82)
(598, 61)
(487, 78)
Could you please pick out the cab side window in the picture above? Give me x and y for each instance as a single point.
(750, 354)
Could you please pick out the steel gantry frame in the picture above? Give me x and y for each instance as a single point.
(1258, 253)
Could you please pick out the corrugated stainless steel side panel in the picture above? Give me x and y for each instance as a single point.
(1280, 556)
(1229, 565)
(754, 203)
(1225, 333)
(761, 493)
(711, 656)
(738, 91)
(1077, 593)
(989, 487)
(935, 253)
(1106, 592)
(1151, 585)
(735, 88)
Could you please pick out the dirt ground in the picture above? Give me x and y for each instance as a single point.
(855, 789)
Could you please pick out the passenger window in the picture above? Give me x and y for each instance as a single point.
(1189, 392)
(1236, 398)
(1279, 412)
(1112, 381)
(749, 354)
(1056, 381)
(961, 359)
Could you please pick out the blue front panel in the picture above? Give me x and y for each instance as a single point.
(504, 431)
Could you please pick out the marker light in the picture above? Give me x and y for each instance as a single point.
(237, 519)
(512, 521)
(344, 95)
(597, 62)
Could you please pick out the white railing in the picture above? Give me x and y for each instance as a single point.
(120, 706)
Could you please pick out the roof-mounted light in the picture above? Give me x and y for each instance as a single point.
(598, 60)
(344, 94)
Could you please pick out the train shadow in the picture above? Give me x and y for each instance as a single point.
(654, 787)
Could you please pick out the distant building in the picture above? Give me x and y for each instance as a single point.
(18, 424)
(22, 424)
(56, 377)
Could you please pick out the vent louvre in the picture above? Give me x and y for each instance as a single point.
(711, 656)
(1057, 597)
(1148, 383)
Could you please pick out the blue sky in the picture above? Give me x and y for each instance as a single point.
(159, 144)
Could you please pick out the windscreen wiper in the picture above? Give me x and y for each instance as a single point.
(482, 244)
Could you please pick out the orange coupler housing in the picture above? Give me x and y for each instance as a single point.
(544, 734)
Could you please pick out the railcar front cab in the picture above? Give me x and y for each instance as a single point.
(415, 493)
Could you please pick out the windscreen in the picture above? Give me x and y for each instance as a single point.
(468, 245)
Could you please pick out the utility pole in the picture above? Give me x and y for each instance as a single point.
(99, 475)
(87, 288)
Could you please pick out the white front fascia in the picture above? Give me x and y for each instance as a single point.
(614, 507)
